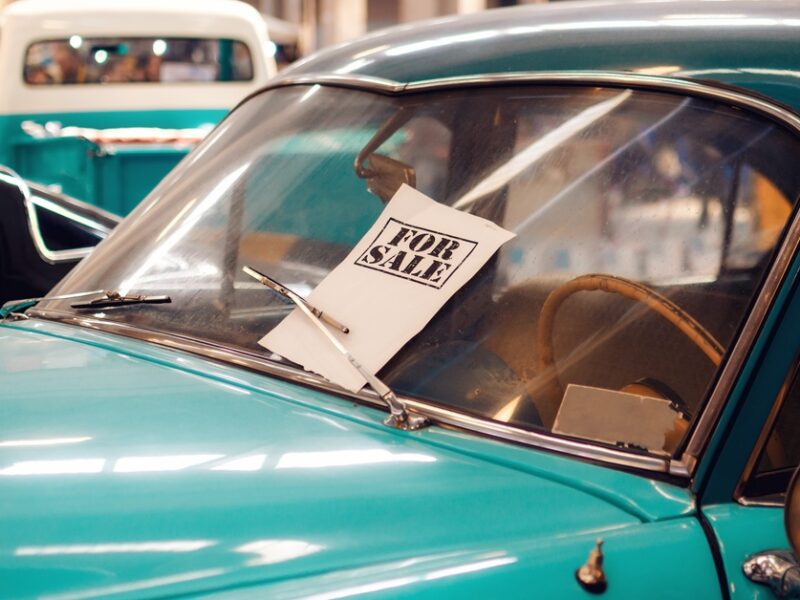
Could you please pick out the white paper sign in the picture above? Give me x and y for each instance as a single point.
(411, 261)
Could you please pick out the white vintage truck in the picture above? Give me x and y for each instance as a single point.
(101, 99)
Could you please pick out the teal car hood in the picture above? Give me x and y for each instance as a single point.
(122, 473)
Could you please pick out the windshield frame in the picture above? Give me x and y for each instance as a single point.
(680, 467)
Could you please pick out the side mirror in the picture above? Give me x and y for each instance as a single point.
(779, 569)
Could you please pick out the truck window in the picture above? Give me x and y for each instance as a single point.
(79, 60)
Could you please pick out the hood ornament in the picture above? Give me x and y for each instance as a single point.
(591, 575)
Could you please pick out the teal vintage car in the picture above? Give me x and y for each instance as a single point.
(608, 407)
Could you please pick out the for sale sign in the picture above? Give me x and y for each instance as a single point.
(410, 262)
(415, 253)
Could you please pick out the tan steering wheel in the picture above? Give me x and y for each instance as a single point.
(687, 324)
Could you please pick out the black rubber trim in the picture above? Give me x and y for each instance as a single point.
(716, 554)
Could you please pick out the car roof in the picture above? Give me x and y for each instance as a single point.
(751, 44)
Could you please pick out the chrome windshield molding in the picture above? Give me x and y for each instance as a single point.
(436, 414)
(51, 256)
(361, 82)
(607, 78)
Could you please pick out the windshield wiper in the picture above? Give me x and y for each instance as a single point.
(112, 298)
(18, 307)
(399, 417)
(108, 299)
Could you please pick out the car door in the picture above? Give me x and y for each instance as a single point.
(743, 476)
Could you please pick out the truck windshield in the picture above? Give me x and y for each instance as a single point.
(645, 222)
(79, 60)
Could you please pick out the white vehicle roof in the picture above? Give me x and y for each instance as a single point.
(27, 21)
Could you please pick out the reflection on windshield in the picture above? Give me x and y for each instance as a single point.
(674, 206)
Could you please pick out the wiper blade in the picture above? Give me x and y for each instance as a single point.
(109, 299)
(112, 298)
(399, 417)
(17, 307)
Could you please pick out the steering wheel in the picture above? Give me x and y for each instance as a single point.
(687, 324)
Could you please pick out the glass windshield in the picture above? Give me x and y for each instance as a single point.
(676, 204)
(79, 60)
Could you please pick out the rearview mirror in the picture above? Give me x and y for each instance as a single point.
(385, 175)
(779, 569)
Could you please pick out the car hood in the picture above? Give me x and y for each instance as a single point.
(145, 474)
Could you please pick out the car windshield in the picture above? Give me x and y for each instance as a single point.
(644, 224)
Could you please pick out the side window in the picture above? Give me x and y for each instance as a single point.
(780, 453)
(761, 212)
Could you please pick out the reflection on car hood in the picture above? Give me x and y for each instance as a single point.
(121, 473)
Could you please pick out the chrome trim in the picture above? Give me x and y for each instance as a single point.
(51, 256)
(361, 82)
(656, 82)
(765, 502)
(437, 414)
(737, 356)
(54, 207)
(776, 569)
(677, 468)
(685, 466)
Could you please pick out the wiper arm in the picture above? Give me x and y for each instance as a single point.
(292, 297)
(399, 417)
(112, 298)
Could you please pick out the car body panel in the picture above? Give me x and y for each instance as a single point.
(146, 460)
(635, 568)
(741, 531)
(675, 38)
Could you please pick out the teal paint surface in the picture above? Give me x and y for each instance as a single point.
(252, 480)
(117, 179)
(661, 560)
